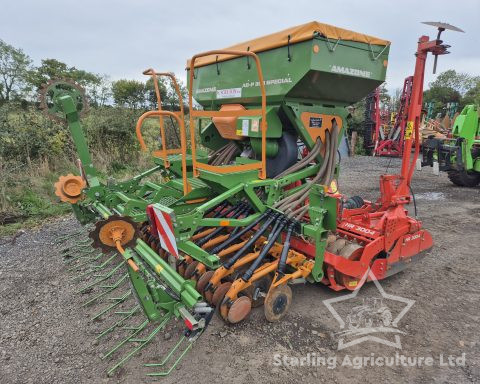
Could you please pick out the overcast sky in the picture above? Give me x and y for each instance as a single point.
(121, 38)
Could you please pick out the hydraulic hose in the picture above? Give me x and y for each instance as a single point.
(245, 212)
(233, 238)
(236, 213)
(219, 213)
(272, 239)
(333, 156)
(232, 260)
(326, 172)
(319, 174)
(222, 207)
(282, 264)
(313, 153)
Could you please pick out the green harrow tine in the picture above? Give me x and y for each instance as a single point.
(104, 264)
(69, 236)
(79, 244)
(127, 315)
(143, 342)
(167, 358)
(108, 289)
(94, 268)
(138, 329)
(116, 301)
(102, 278)
(68, 258)
(89, 260)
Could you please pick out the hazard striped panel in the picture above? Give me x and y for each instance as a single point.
(162, 226)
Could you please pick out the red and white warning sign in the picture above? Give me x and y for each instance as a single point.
(162, 224)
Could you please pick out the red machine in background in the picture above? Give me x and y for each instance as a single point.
(384, 131)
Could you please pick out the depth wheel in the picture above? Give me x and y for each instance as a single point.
(277, 303)
(239, 310)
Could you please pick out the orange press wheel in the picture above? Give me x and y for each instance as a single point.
(190, 269)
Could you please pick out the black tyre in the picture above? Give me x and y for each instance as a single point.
(464, 179)
(287, 155)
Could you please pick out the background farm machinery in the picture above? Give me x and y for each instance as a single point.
(458, 153)
(384, 130)
(240, 219)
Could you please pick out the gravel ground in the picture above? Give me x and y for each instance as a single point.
(48, 337)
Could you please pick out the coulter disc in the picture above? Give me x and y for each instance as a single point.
(220, 293)
(103, 234)
(277, 303)
(203, 281)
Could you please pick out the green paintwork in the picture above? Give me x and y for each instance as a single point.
(308, 75)
(467, 127)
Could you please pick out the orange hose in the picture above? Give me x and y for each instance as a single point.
(130, 262)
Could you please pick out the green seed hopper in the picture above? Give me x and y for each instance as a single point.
(311, 73)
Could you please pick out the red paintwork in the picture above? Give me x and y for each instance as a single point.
(388, 234)
(390, 147)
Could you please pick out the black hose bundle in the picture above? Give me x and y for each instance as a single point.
(223, 155)
(324, 175)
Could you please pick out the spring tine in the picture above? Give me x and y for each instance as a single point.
(126, 316)
(167, 357)
(101, 278)
(142, 344)
(138, 329)
(78, 244)
(109, 289)
(69, 236)
(116, 301)
(173, 366)
(68, 258)
(95, 268)
(89, 260)
(101, 266)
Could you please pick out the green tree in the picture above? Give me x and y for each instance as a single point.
(458, 81)
(50, 69)
(100, 92)
(449, 86)
(472, 96)
(129, 93)
(151, 96)
(14, 65)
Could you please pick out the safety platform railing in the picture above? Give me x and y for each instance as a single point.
(164, 151)
(178, 116)
(194, 114)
